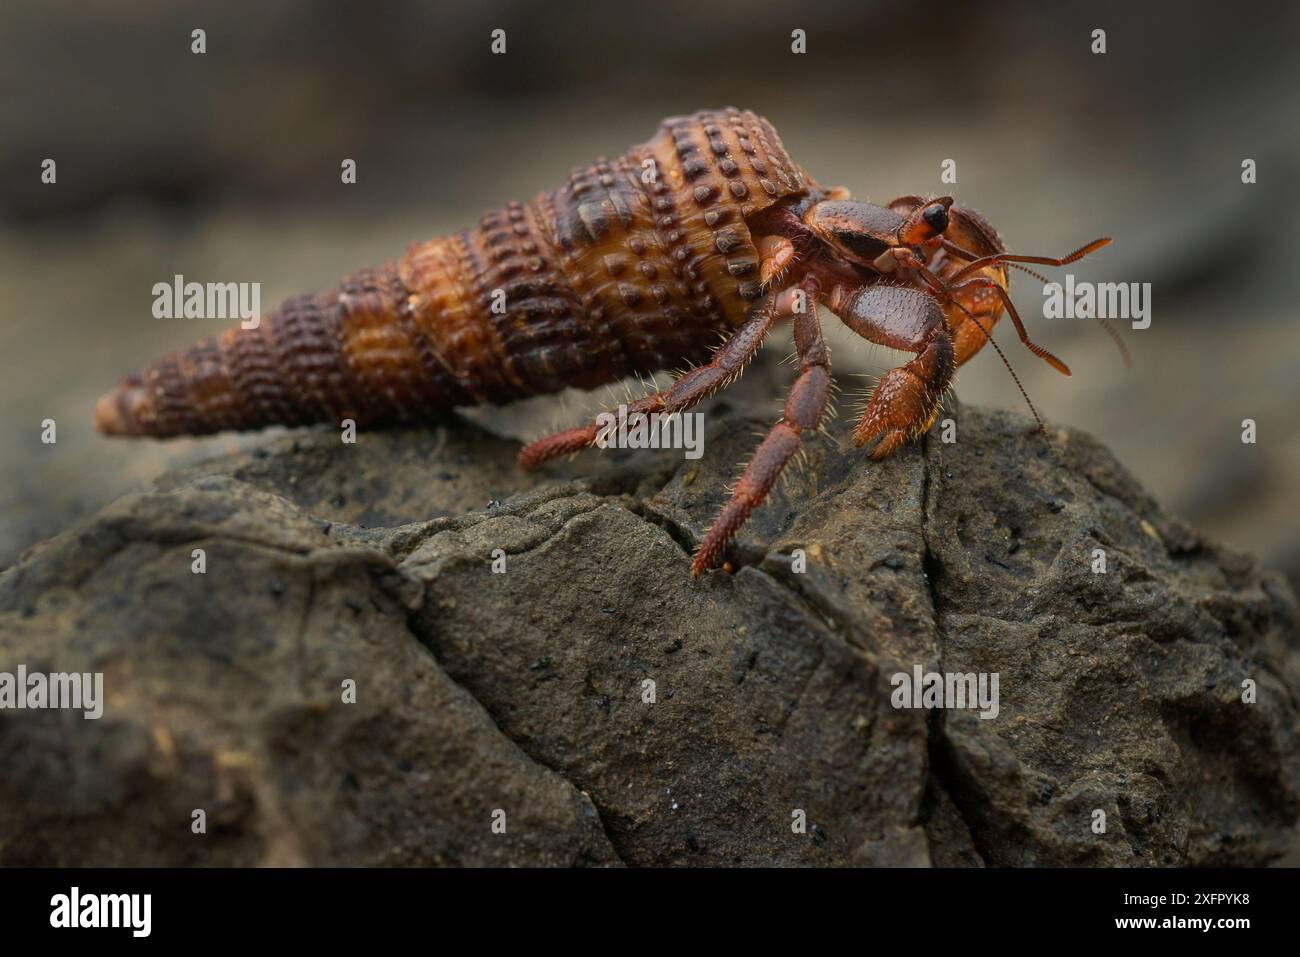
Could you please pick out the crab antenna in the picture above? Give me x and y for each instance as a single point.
(1041, 260)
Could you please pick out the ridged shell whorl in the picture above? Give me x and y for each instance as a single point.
(634, 265)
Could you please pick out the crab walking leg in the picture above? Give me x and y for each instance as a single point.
(687, 390)
(804, 407)
(906, 399)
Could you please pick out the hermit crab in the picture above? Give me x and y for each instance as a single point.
(635, 265)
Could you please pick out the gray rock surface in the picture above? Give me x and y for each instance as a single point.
(524, 692)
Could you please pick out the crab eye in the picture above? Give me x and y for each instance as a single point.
(936, 217)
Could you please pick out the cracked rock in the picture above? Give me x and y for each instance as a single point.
(406, 651)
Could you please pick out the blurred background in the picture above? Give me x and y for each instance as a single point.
(225, 167)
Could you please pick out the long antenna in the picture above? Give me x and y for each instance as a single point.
(987, 261)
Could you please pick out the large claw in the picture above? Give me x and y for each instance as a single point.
(901, 407)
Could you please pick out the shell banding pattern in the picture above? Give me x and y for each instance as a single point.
(635, 265)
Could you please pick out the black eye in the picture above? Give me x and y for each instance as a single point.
(936, 217)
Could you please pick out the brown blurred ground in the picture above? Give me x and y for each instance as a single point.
(226, 167)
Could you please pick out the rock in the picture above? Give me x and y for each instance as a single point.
(612, 709)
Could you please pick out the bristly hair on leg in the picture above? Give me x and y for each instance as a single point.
(832, 409)
(948, 400)
(867, 395)
(775, 281)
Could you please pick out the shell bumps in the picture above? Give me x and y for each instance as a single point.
(634, 265)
